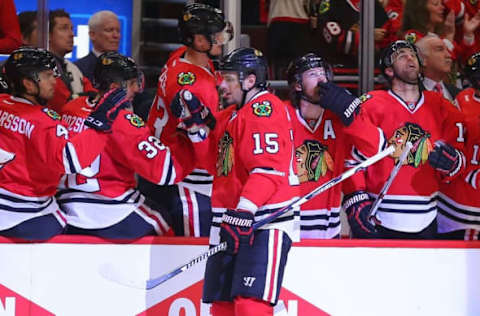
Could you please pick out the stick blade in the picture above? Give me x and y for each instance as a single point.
(108, 272)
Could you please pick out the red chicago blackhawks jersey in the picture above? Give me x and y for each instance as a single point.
(178, 73)
(320, 150)
(458, 201)
(410, 203)
(254, 164)
(35, 150)
(109, 182)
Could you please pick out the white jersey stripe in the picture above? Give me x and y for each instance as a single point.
(268, 277)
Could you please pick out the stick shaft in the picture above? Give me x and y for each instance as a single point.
(390, 179)
(299, 201)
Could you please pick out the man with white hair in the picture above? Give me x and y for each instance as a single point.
(437, 65)
(104, 32)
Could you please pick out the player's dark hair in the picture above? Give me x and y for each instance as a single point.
(58, 13)
(27, 19)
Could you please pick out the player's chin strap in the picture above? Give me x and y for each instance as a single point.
(244, 91)
(111, 274)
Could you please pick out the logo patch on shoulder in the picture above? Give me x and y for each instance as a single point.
(411, 37)
(365, 97)
(324, 6)
(262, 109)
(52, 114)
(186, 78)
(135, 120)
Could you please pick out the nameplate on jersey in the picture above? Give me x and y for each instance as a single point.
(262, 109)
(186, 78)
(51, 114)
(135, 120)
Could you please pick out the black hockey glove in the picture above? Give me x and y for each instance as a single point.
(357, 207)
(107, 109)
(446, 159)
(236, 229)
(195, 118)
(339, 101)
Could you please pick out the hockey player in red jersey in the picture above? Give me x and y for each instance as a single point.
(36, 149)
(103, 200)
(254, 165)
(322, 141)
(458, 201)
(203, 30)
(405, 113)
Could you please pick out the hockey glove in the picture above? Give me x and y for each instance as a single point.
(107, 110)
(195, 118)
(339, 101)
(357, 207)
(446, 159)
(236, 229)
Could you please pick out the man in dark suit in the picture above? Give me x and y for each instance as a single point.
(437, 65)
(104, 32)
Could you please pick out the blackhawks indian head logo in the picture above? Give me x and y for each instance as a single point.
(313, 161)
(411, 132)
(225, 156)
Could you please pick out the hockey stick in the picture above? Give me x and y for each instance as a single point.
(390, 179)
(152, 283)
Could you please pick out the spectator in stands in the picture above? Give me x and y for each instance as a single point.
(71, 82)
(10, 37)
(288, 34)
(104, 32)
(28, 27)
(427, 16)
(422, 17)
(339, 34)
(466, 11)
(437, 65)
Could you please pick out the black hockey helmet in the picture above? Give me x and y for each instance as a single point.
(388, 54)
(472, 70)
(114, 67)
(28, 62)
(298, 66)
(246, 61)
(198, 18)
